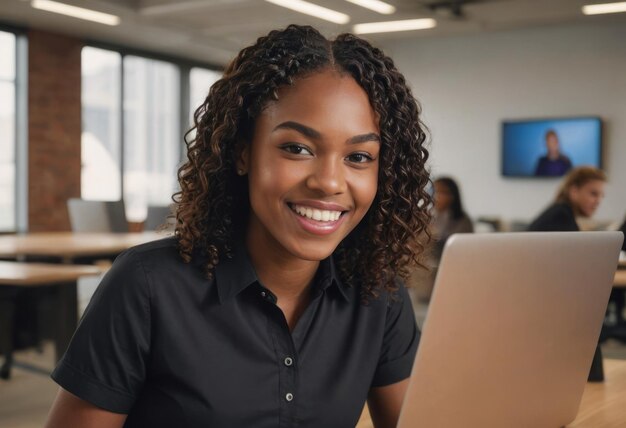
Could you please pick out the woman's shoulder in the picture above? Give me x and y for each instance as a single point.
(558, 216)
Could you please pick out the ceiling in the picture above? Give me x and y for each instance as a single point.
(213, 31)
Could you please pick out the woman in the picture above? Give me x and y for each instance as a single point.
(579, 195)
(449, 217)
(277, 302)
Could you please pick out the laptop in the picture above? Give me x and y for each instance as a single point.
(511, 330)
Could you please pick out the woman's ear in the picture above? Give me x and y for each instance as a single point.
(242, 158)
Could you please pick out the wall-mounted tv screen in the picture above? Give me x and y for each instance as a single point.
(550, 147)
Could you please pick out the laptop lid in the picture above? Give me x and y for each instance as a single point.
(511, 329)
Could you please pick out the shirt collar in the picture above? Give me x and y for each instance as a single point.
(234, 274)
(327, 276)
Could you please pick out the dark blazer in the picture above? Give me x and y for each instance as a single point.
(558, 217)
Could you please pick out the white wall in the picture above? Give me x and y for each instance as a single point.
(468, 85)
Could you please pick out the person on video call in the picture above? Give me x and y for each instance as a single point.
(280, 301)
(579, 195)
(554, 163)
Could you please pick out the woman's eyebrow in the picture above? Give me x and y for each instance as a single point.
(316, 135)
(372, 136)
(302, 129)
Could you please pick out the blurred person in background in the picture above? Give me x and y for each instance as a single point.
(449, 218)
(579, 195)
(554, 163)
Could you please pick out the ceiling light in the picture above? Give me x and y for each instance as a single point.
(596, 9)
(76, 12)
(313, 10)
(375, 5)
(390, 26)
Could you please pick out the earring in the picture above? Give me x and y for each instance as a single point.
(240, 171)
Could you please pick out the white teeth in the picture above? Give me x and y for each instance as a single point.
(317, 215)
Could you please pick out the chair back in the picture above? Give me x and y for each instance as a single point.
(157, 218)
(97, 216)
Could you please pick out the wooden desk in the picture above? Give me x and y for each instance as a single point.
(59, 280)
(603, 404)
(69, 245)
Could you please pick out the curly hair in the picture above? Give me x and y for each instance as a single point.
(213, 203)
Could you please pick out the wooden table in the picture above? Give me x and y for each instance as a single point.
(59, 280)
(56, 283)
(67, 246)
(603, 404)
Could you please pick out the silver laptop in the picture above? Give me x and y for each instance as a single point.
(511, 330)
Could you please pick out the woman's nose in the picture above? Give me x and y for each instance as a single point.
(327, 177)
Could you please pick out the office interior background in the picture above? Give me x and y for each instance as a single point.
(98, 111)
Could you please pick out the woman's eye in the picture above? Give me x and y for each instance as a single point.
(359, 158)
(296, 149)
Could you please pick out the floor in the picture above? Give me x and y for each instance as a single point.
(26, 398)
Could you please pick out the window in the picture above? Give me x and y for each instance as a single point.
(200, 81)
(152, 134)
(8, 184)
(101, 146)
(134, 117)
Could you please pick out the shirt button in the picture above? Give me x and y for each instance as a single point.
(289, 396)
(288, 361)
(263, 294)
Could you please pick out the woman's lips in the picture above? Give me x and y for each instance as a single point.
(317, 221)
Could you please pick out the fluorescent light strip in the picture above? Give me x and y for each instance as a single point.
(75, 12)
(390, 26)
(375, 5)
(313, 10)
(597, 9)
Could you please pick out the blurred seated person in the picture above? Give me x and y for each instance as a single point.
(579, 195)
(448, 218)
(554, 163)
(448, 214)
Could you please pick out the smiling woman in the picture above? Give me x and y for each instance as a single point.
(279, 300)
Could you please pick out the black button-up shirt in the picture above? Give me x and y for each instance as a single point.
(170, 348)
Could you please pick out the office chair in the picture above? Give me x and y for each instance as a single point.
(97, 216)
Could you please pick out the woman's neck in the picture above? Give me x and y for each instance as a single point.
(287, 276)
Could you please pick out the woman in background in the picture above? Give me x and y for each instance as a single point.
(448, 214)
(449, 218)
(579, 195)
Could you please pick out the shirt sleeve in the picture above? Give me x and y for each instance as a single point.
(399, 343)
(105, 363)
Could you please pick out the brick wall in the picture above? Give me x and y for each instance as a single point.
(54, 128)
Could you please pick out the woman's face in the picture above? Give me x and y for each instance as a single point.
(587, 197)
(312, 166)
(443, 197)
